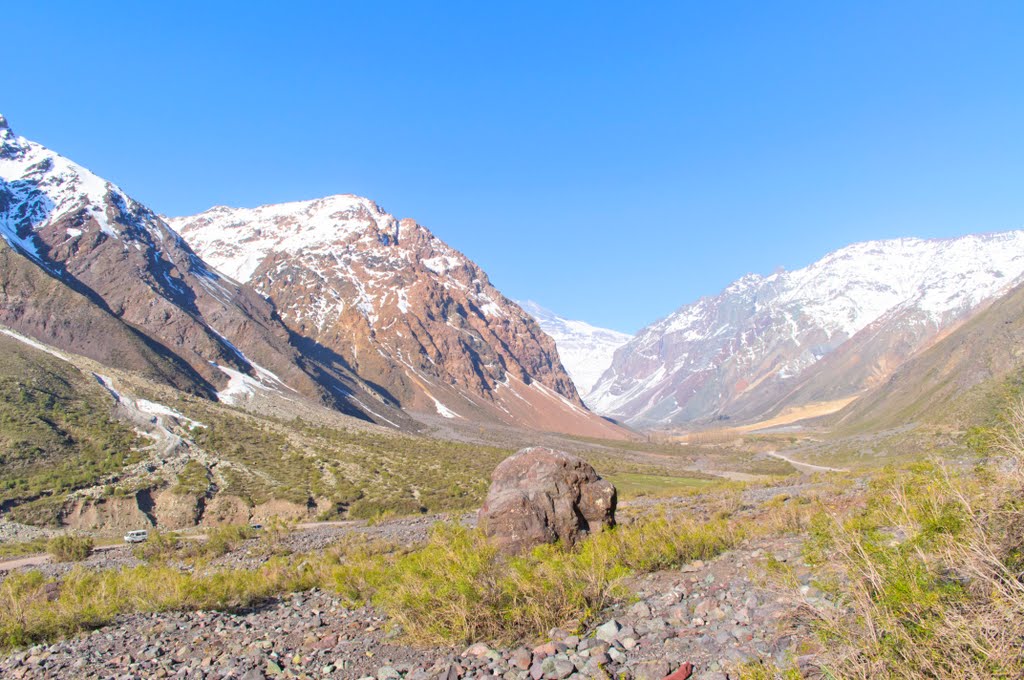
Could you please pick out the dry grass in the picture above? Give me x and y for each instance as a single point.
(929, 575)
(35, 609)
(455, 588)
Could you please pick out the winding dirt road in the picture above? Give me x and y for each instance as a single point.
(805, 467)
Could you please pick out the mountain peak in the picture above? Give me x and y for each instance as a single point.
(536, 310)
(245, 236)
(406, 311)
(9, 146)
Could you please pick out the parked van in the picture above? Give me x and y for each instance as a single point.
(137, 536)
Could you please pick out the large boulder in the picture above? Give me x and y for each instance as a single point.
(540, 495)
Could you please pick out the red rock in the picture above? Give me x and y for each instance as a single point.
(682, 673)
(329, 642)
(545, 650)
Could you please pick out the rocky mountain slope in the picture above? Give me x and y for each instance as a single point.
(89, 270)
(959, 381)
(87, 446)
(586, 350)
(404, 310)
(819, 334)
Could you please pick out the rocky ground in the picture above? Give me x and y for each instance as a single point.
(709, 617)
(714, 616)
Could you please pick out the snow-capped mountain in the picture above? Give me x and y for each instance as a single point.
(399, 306)
(89, 270)
(586, 350)
(819, 333)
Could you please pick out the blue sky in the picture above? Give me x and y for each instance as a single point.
(611, 162)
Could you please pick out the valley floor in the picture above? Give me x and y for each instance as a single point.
(910, 571)
(716, 615)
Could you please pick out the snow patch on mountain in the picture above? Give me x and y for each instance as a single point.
(586, 351)
(338, 238)
(761, 330)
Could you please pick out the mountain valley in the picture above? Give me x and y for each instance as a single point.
(303, 403)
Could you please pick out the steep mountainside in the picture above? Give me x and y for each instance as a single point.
(92, 271)
(955, 380)
(407, 312)
(586, 350)
(57, 432)
(820, 333)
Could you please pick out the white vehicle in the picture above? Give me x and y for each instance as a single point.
(137, 536)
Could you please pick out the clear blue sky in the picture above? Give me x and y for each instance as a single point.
(610, 162)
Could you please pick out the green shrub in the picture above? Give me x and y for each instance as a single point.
(223, 539)
(160, 546)
(193, 480)
(69, 548)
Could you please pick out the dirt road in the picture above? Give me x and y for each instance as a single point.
(805, 467)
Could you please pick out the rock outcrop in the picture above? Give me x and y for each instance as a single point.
(540, 495)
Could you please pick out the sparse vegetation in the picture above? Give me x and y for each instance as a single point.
(631, 484)
(30, 611)
(56, 434)
(222, 540)
(23, 548)
(359, 474)
(164, 546)
(928, 573)
(454, 587)
(159, 547)
(193, 480)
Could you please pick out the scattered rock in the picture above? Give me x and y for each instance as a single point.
(682, 673)
(521, 658)
(651, 670)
